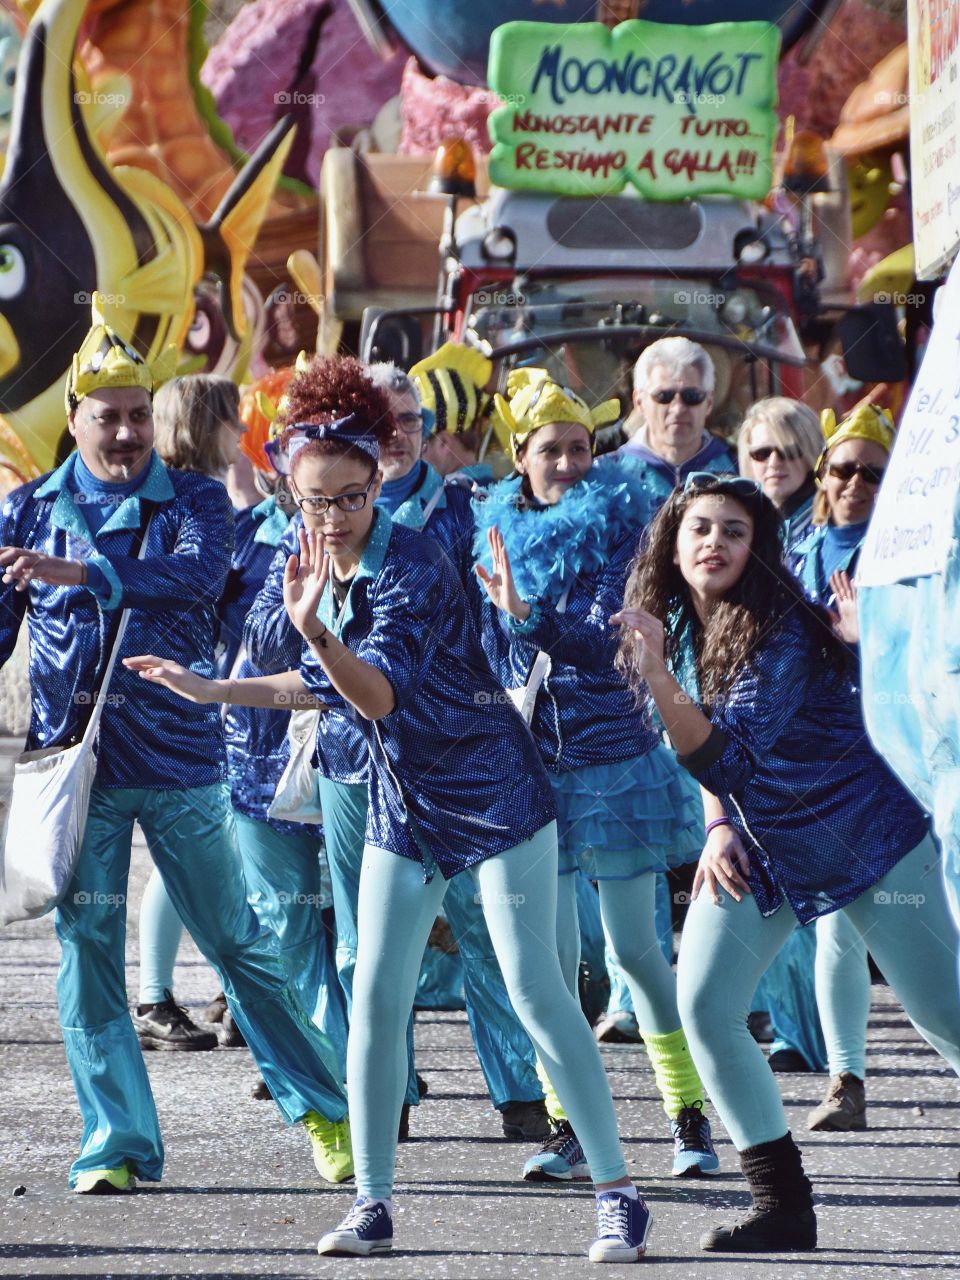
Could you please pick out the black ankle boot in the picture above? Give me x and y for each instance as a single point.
(782, 1218)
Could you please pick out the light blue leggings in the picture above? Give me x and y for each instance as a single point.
(727, 947)
(518, 891)
(842, 977)
(628, 912)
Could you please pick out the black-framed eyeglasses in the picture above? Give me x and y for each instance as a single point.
(318, 505)
(786, 453)
(845, 471)
(737, 486)
(689, 395)
(408, 423)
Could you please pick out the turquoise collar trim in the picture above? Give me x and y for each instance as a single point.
(66, 513)
(371, 562)
(410, 513)
(271, 522)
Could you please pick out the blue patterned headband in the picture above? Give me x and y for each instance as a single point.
(299, 434)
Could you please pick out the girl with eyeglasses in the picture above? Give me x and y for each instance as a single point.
(804, 818)
(554, 544)
(778, 446)
(456, 789)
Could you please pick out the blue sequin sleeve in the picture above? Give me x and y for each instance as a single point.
(405, 629)
(584, 640)
(272, 641)
(196, 570)
(761, 704)
(13, 603)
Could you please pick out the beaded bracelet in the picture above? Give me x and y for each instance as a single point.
(718, 822)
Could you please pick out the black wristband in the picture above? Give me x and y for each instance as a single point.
(314, 639)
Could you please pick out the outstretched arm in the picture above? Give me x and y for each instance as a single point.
(282, 692)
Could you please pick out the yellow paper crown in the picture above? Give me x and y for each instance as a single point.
(451, 382)
(105, 360)
(865, 422)
(535, 400)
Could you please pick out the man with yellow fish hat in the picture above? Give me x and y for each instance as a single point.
(71, 559)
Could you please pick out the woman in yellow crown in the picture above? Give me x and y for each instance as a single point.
(555, 543)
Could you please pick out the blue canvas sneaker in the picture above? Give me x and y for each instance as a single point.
(693, 1152)
(367, 1228)
(560, 1159)
(623, 1228)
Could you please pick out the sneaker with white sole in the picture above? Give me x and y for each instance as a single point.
(560, 1159)
(105, 1182)
(332, 1152)
(367, 1228)
(693, 1150)
(623, 1228)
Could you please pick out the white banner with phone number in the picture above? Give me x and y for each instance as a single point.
(913, 521)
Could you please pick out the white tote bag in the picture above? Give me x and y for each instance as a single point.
(297, 798)
(48, 813)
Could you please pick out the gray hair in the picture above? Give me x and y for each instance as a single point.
(390, 377)
(674, 355)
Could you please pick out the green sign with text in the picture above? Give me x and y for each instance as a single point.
(673, 110)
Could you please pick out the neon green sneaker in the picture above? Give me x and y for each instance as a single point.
(105, 1182)
(330, 1139)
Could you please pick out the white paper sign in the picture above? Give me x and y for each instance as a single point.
(913, 521)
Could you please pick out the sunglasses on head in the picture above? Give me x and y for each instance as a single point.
(845, 471)
(689, 395)
(736, 486)
(788, 453)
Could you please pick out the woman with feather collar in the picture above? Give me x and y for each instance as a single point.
(555, 543)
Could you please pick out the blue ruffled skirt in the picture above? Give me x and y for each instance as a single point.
(618, 821)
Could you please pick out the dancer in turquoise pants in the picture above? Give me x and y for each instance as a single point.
(456, 787)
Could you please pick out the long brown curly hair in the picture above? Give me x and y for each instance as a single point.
(753, 609)
(333, 387)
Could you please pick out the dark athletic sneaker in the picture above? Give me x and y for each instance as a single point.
(526, 1121)
(770, 1232)
(169, 1026)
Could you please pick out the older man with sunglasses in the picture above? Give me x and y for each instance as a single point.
(673, 383)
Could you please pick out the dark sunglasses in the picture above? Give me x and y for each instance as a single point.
(845, 471)
(689, 395)
(787, 454)
(737, 486)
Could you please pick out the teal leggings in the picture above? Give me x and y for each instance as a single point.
(906, 923)
(518, 891)
(842, 977)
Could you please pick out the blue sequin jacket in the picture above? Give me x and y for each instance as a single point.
(149, 737)
(455, 776)
(570, 562)
(256, 739)
(443, 512)
(821, 816)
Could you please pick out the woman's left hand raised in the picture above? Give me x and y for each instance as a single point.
(499, 585)
(847, 625)
(304, 581)
(648, 632)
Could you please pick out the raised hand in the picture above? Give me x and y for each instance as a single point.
(304, 581)
(648, 634)
(847, 625)
(499, 584)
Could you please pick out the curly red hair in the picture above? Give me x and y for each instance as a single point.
(334, 387)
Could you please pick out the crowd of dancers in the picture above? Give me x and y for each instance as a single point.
(378, 684)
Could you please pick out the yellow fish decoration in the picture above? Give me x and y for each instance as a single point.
(72, 225)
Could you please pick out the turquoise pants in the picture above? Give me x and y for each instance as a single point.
(192, 838)
(842, 976)
(503, 1047)
(628, 915)
(518, 893)
(620, 998)
(906, 923)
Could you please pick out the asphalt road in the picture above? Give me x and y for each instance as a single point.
(240, 1197)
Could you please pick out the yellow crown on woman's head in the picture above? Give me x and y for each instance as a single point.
(105, 360)
(865, 422)
(535, 400)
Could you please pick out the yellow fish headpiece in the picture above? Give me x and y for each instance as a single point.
(865, 422)
(535, 400)
(105, 360)
(452, 384)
